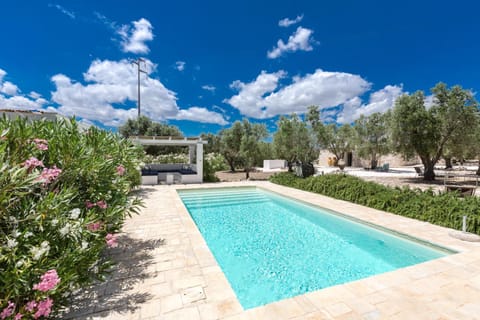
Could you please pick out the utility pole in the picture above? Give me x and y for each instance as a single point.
(139, 70)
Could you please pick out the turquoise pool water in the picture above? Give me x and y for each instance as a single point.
(271, 247)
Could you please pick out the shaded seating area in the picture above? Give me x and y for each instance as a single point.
(170, 173)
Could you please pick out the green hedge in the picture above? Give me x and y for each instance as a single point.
(444, 209)
(64, 194)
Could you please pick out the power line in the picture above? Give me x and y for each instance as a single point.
(139, 70)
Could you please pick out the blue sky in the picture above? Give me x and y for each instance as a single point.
(210, 63)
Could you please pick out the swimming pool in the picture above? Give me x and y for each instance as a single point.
(271, 247)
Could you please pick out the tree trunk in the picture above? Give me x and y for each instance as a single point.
(373, 162)
(231, 164)
(448, 163)
(429, 173)
(478, 170)
(290, 166)
(247, 173)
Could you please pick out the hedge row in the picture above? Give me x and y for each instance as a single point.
(64, 194)
(444, 209)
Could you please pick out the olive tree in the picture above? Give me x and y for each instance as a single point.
(427, 131)
(144, 126)
(230, 144)
(336, 139)
(250, 144)
(371, 137)
(293, 141)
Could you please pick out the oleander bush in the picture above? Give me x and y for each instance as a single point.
(64, 194)
(444, 209)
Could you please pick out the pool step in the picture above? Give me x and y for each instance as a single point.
(225, 197)
(204, 205)
(217, 195)
(226, 200)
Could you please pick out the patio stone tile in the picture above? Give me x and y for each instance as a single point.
(240, 316)
(150, 309)
(373, 315)
(188, 282)
(375, 298)
(220, 309)
(306, 305)
(360, 306)
(328, 296)
(190, 313)
(338, 309)
(170, 303)
(161, 289)
(317, 315)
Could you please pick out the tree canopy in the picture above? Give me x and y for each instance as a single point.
(372, 137)
(230, 144)
(336, 139)
(250, 144)
(293, 141)
(144, 126)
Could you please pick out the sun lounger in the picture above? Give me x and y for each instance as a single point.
(419, 171)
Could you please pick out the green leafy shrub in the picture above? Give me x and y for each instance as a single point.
(213, 162)
(64, 195)
(445, 209)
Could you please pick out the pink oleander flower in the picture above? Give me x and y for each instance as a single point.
(94, 226)
(18, 316)
(8, 310)
(30, 305)
(89, 204)
(49, 174)
(48, 281)
(120, 170)
(111, 240)
(37, 140)
(41, 144)
(44, 308)
(102, 204)
(33, 163)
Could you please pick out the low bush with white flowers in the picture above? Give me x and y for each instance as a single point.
(64, 195)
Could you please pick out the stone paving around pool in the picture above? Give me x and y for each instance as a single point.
(166, 271)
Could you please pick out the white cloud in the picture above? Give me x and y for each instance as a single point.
(300, 40)
(34, 95)
(288, 22)
(66, 12)
(9, 88)
(180, 65)
(11, 97)
(379, 101)
(258, 99)
(133, 38)
(429, 101)
(107, 22)
(111, 84)
(201, 115)
(209, 87)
